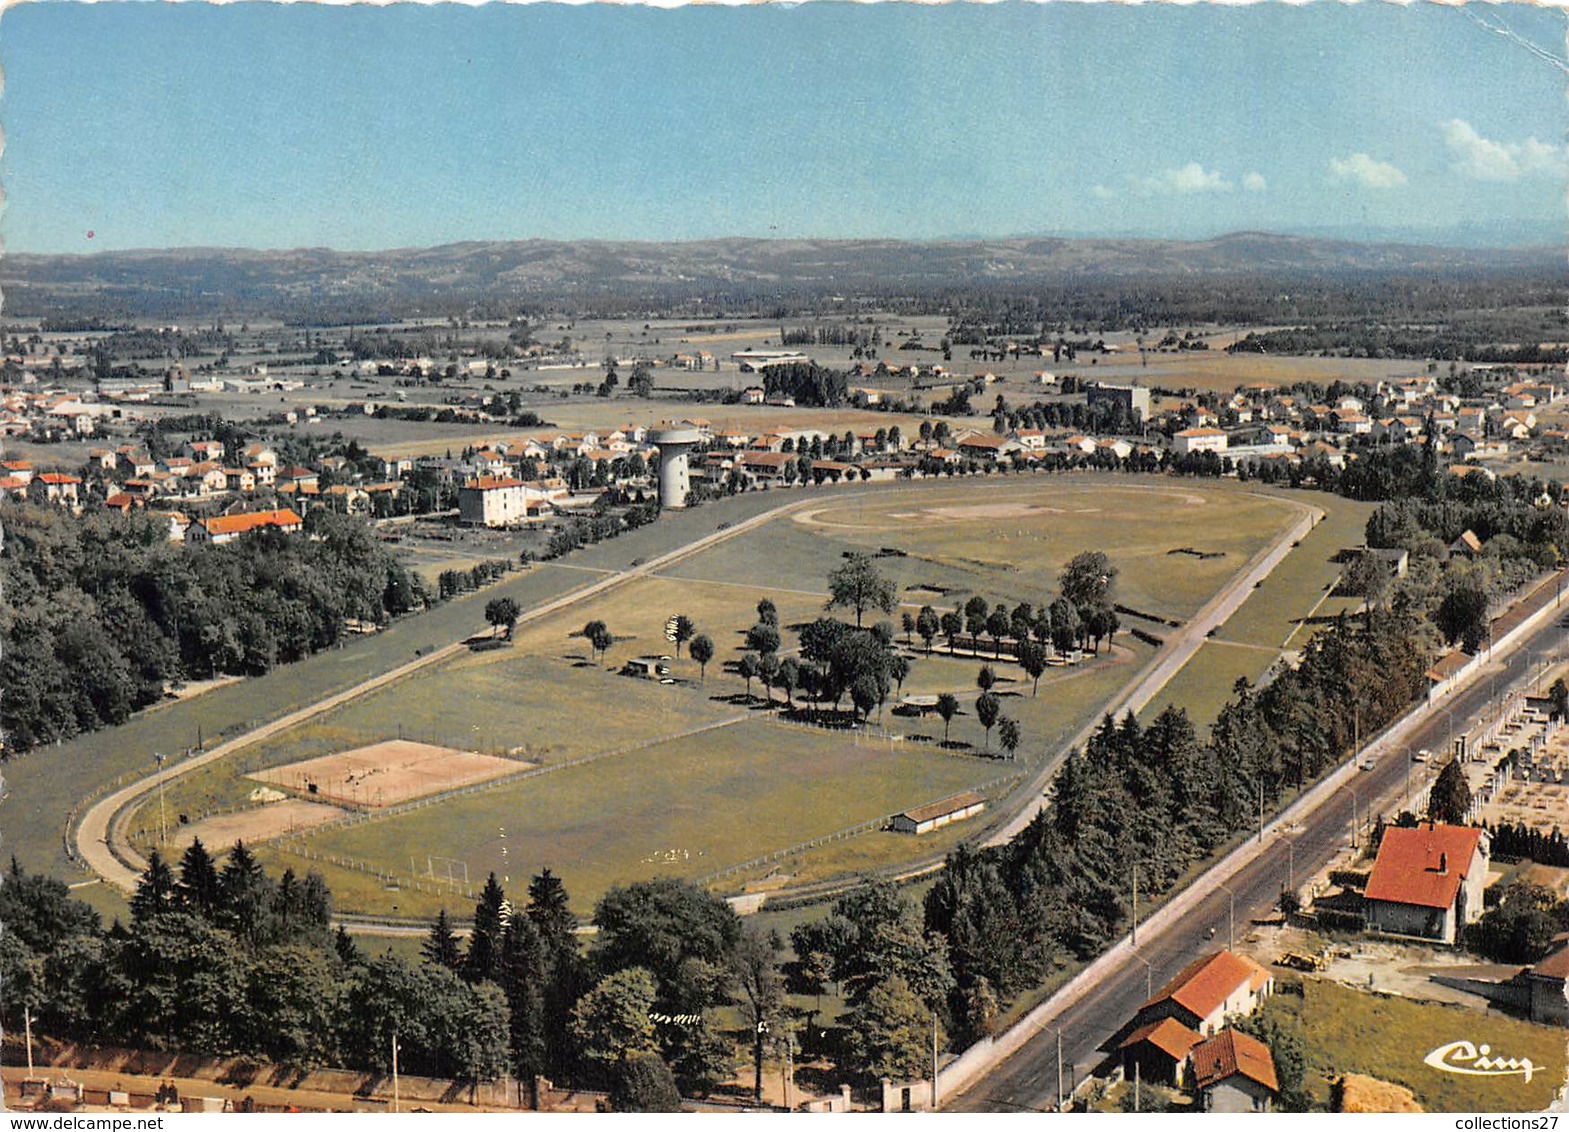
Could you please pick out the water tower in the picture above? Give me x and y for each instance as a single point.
(674, 480)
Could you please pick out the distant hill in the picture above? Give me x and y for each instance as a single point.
(218, 281)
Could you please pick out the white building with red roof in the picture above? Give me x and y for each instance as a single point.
(226, 528)
(1428, 881)
(1193, 1006)
(502, 501)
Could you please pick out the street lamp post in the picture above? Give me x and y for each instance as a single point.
(1149, 976)
(1291, 848)
(1354, 800)
(1135, 933)
(1231, 915)
(163, 822)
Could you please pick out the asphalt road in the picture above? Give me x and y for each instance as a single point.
(1027, 1081)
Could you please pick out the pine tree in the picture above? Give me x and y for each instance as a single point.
(198, 887)
(523, 980)
(483, 960)
(441, 945)
(154, 892)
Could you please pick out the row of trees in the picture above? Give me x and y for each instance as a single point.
(1153, 800)
(104, 612)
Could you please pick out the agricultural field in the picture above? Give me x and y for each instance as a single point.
(698, 777)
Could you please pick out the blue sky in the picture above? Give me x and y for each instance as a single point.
(257, 125)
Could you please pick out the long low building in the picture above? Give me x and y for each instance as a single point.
(935, 815)
(226, 528)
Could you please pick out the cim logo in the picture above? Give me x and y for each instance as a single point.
(1477, 1061)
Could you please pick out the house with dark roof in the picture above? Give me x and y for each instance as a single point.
(1546, 982)
(1233, 1072)
(1427, 881)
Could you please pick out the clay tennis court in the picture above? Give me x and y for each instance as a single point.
(384, 774)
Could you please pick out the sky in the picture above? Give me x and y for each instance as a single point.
(133, 124)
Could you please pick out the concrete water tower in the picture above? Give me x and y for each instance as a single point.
(674, 480)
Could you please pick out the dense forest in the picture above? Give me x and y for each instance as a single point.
(102, 613)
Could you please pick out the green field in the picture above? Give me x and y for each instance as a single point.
(1008, 539)
(1203, 685)
(1349, 1031)
(47, 783)
(678, 808)
(1272, 618)
(1272, 614)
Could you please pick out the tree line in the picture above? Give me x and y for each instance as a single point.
(103, 612)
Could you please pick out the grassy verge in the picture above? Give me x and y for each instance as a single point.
(1350, 1031)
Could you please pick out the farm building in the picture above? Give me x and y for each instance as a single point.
(1428, 881)
(1159, 1051)
(935, 815)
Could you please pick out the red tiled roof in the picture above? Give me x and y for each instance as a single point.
(1422, 866)
(1555, 966)
(1168, 1035)
(1448, 664)
(1229, 1053)
(1209, 980)
(58, 478)
(238, 524)
(489, 483)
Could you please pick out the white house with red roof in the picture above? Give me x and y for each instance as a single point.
(1428, 881)
(1190, 1008)
(58, 488)
(226, 528)
(502, 501)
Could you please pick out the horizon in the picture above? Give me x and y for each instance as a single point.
(362, 129)
(1373, 242)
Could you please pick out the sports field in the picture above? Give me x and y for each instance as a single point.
(637, 779)
(386, 773)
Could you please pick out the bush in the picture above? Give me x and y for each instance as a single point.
(644, 1083)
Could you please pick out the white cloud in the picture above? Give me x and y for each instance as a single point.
(1191, 178)
(1486, 160)
(1101, 192)
(1254, 182)
(1366, 171)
